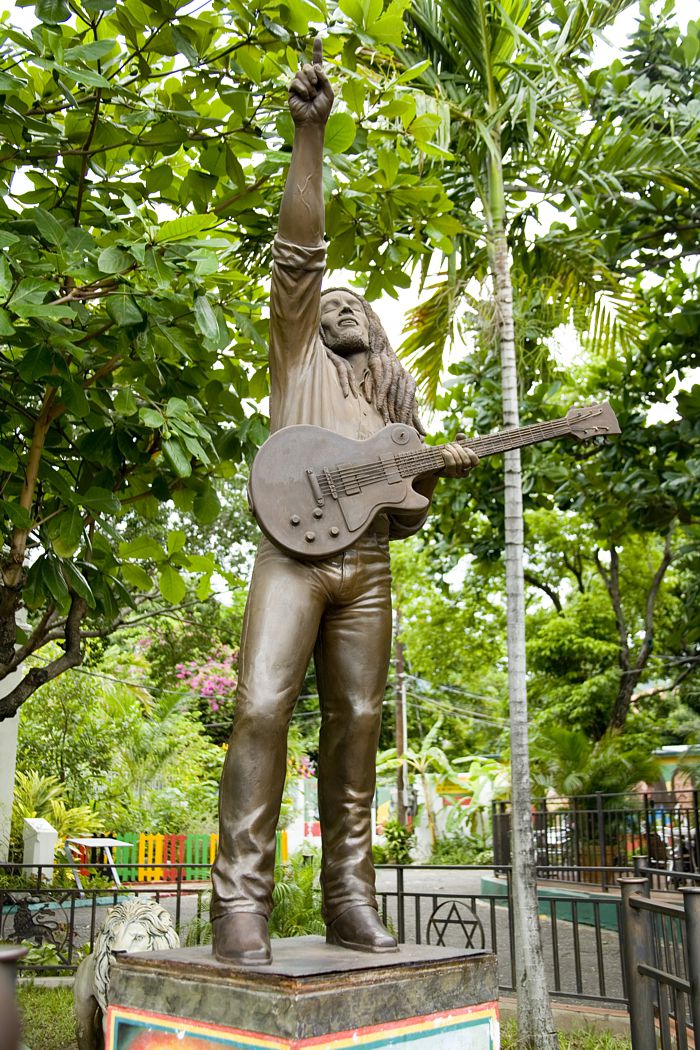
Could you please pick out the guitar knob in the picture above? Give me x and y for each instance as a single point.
(318, 513)
(310, 537)
(335, 531)
(294, 520)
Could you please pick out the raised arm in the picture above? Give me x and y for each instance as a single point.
(301, 218)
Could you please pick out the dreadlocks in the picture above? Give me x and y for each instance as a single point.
(389, 387)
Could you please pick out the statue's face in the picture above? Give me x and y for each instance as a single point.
(344, 323)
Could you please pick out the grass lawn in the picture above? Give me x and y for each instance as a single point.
(47, 1018)
(48, 1025)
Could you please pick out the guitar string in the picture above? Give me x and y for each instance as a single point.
(430, 457)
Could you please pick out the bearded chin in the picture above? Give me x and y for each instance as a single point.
(349, 341)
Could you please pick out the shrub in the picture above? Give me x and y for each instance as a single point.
(458, 849)
(399, 841)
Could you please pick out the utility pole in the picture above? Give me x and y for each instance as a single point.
(401, 728)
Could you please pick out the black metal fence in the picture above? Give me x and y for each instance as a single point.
(608, 831)
(469, 906)
(661, 953)
(59, 922)
(580, 932)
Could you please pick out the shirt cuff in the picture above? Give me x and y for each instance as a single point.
(298, 256)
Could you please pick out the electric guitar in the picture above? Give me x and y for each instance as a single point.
(314, 492)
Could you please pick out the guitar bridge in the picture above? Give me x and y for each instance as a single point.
(331, 484)
(315, 487)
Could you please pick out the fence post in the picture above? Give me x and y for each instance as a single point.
(640, 862)
(636, 949)
(601, 838)
(400, 914)
(695, 839)
(691, 904)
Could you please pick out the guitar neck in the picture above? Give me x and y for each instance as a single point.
(430, 458)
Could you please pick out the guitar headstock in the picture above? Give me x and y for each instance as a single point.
(592, 421)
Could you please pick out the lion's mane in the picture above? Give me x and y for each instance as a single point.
(123, 920)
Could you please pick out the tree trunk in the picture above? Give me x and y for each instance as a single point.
(400, 729)
(535, 1023)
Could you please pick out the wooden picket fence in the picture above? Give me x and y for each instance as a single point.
(164, 858)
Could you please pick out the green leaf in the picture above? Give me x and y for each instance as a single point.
(206, 318)
(144, 548)
(176, 541)
(171, 585)
(185, 226)
(114, 260)
(100, 501)
(206, 506)
(152, 418)
(136, 576)
(85, 76)
(6, 326)
(204, 589)
(70, 533)
(8, 459)
(123, 310)
(388, 29)
(340, 132)
(31, 290)
(353, 8)
(413, 71)
(355, 93)
(89, 52)
(177, 458)
(49, 569)
(125, 402)
(19, 517)
(77, 582)
(52, 12)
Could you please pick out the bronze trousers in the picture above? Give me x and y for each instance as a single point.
(338, 609)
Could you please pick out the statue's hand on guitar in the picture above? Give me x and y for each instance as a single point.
(459, 459)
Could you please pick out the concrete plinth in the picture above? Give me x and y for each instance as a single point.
(313, 995)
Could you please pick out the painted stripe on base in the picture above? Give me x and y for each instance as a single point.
(150, 1031)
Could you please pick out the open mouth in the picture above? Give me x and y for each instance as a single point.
(347, 322)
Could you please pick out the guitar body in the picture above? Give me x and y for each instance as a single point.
(314, 492)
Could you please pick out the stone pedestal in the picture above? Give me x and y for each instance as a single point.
(313, 995)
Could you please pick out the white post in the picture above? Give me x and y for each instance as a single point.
(8, 759)
(40, 840)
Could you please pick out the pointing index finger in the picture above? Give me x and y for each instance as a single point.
(318, 51)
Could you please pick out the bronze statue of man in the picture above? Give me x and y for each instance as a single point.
(330, 365)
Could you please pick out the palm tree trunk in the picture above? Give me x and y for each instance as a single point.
(535, 1023)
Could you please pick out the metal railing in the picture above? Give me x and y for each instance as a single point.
(63, 920)
(661, 952)
(604, 831)
(581, 931)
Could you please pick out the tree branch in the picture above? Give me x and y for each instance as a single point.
(38, 676)
(549, 591)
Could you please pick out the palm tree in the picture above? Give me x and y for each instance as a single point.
(505, 72)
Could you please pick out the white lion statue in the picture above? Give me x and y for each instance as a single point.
(133, 926)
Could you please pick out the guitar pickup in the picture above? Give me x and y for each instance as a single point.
(391, 470)
(315, 487)
(347, 477)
